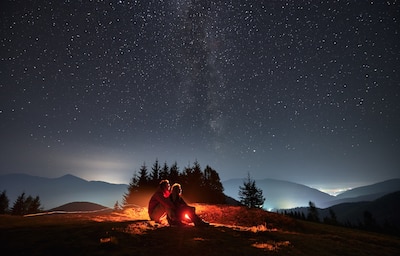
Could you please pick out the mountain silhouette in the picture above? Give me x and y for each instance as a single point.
(54, 192)
(365, 193)
(287, 195)
(385, 209)
(378, 189)
(280, 194)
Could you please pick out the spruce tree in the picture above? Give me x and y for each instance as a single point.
(174, 175)
(117, 207)
(312, 212)
(19, 205)
(4, 202)
(143, 181)
(250, 195)
(214, 190)
(164, 174)
(193, 183)
(26, 205)
(155, 174)
(33, 205)
(133, 189)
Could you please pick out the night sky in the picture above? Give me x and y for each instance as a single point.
(304, 91)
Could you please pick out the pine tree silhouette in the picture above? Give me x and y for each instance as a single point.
(250, 195)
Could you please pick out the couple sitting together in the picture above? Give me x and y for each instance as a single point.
(168, 201)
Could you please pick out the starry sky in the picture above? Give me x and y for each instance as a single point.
(304, 91)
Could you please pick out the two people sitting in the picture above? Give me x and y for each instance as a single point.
(168, 201)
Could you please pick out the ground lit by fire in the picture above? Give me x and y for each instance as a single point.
(232, 217)
(234, 230)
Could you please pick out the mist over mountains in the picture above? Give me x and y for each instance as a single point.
(279, 194)
(54, 192)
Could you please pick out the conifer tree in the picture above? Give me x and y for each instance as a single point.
(369, 221)
(26, 205)
(332, 220)
(155, 174)
(117, 207)
(250, 195)
(133, 189)
(312, 212)
(19, 205)
(174, 175)
(33, 205)
(164, 174)
(214, 191)
(193, 183)
(143, 181)
(4, 202)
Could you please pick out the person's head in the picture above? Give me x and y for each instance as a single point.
(164, 185)
(176, 189)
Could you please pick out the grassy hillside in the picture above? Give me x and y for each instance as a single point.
(235, 231)
(80, 206)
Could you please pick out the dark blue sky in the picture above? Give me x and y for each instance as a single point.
(295, 90)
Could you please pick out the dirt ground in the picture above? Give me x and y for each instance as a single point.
(233, 231)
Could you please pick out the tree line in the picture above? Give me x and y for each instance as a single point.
(366, 222)
(198, 185)
(23, 204)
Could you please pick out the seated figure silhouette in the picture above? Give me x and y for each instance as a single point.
(183, 211)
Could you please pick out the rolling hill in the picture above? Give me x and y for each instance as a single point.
(81, 206)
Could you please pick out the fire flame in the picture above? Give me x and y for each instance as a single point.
(187, 217)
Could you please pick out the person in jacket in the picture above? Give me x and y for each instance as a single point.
(159, 204)
(183, 211)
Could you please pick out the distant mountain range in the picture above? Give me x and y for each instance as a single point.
(54, 192)
(381, 200)
(383, 211)
(374, 189)
(279, 194)
(285, 195)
